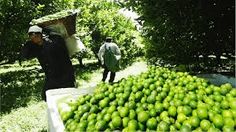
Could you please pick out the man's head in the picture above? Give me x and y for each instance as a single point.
(35, 34)
(108, 39)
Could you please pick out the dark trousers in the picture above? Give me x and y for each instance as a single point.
(112, 75)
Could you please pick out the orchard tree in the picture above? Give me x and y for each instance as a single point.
(99, 19)
(182, 31)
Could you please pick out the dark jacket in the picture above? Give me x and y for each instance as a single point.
(54, 59)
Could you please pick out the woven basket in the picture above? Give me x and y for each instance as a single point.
(68, 21)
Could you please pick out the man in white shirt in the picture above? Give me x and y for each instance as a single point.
(109, 55)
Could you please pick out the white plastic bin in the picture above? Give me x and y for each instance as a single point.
(55, 123)
(219, 79)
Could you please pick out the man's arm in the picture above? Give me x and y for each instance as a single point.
(27, 51)
(117, 53)
(101, 53)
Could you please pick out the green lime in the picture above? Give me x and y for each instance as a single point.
(181, 117)
(115, 113)
(213, 129)
(132, 114)
(218, 121)
(125, 121)
(112, 96)
(202, 113)
(111, 109)
(185, 128)
(227, 113)
(104, 102)
(138, 96)
(187, 110)
(124, 111)
(101, 125)
(116, 121)
(218, 98)
(163, 126)
(153, 112)
(91, 116)
(159, 107)
(224, 104)
(229, 122)
(193, 104)
(82, 125)
(172, 111)
(85, 108)
(141, 126)
(228, 129)
(143, 116)
(164, 115)
(107, 117)
(121, 102)
(205, 125)
(132, 125)
(152, 123)
(91, 122)
(151, 99)
(194, 121)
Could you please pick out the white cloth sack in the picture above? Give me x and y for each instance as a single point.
(73, 43)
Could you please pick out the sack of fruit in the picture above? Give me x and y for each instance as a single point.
(65, 17)
(64, 24)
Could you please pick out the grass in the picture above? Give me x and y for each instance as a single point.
(20, 87)
(27, 119)
(21, 106)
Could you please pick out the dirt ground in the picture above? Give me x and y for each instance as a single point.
(135, 69)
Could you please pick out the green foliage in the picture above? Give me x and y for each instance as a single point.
(180, 31)
(99, 19)
(12, 30)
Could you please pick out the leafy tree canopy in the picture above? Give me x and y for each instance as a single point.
(183, 31)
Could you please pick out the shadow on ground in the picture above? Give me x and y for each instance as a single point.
(20, 87)
(84, 72)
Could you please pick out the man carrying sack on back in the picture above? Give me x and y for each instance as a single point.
(53, 57)
(109, 55)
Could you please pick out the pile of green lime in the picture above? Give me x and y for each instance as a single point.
(159, 100)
